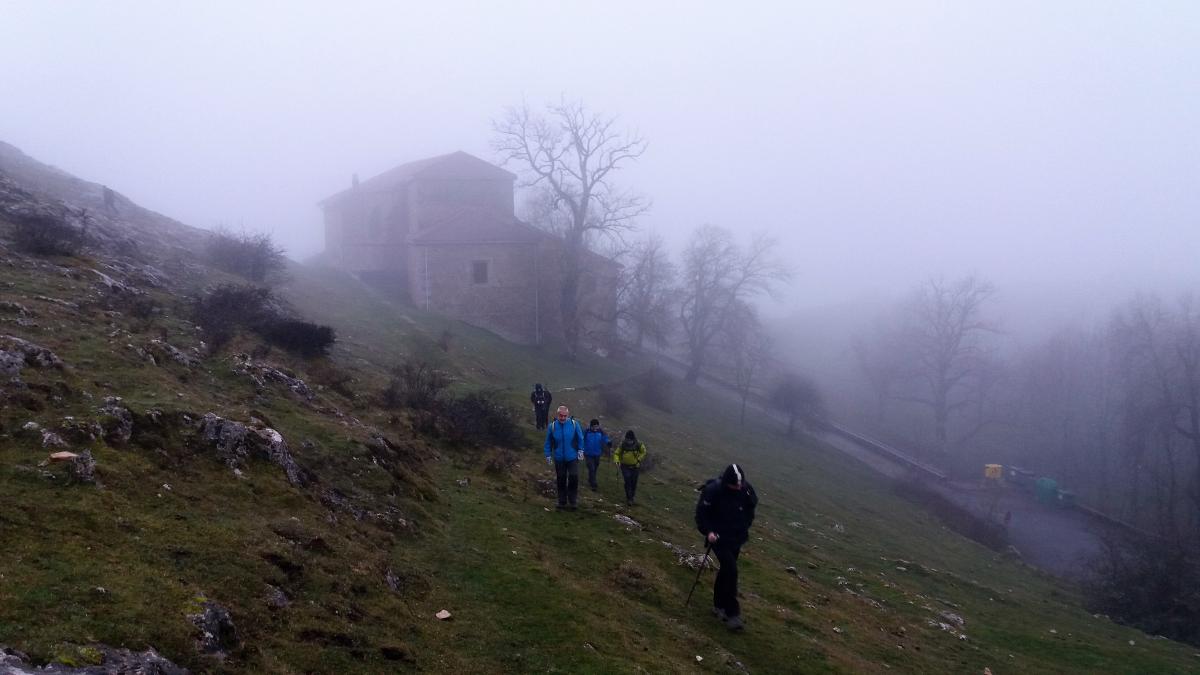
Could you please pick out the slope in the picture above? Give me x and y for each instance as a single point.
(841, 575)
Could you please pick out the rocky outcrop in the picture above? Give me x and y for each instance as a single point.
(262, 374)
(16, 354)
(164, 351)
(116, 421)
(235, 443)
(111, 662)
(218, 634)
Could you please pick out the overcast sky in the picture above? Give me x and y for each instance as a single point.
(1030, 142)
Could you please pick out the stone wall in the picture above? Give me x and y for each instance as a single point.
(442, 278)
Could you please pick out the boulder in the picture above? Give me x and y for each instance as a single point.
(112, 662)
(116, 421)
(218, 634)
(32, 355)
(83, 468)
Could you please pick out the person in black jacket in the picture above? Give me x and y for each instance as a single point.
(541, 399)
(724, 513)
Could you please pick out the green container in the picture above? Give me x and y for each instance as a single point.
(1046, 490)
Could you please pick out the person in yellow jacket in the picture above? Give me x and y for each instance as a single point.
(629, 455)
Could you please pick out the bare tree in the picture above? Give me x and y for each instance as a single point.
(798, 397)
(944, 328)
(571, 154)
(717, 276)
(644, 295)
(746, 351)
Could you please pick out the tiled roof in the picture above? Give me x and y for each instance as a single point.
(454, 165)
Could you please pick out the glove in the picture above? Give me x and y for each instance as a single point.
(549, 462)
(581, 455)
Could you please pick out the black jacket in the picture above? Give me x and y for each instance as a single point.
(541, 398)
(726, 512)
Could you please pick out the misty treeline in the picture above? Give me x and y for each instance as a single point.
(1111, 411)
(699, 306)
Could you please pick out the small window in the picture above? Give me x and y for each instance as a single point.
(479, 271)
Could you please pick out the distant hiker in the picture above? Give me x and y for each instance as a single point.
(564, 449)
(594, 443)
(724, 513)
(540, 398)
(629, 455)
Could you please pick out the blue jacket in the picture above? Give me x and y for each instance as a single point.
(565, 440)
(594, 442)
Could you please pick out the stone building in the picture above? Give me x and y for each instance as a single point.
(442, 233)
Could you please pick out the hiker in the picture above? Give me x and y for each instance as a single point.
(594, 443)
(629, 455)
(564, 449)
(540, 398)
(724, 513)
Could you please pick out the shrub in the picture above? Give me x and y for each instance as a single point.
(415, 384)
(1153, 584)
(48, 234)
(224, 309)
(656, 388)
(300, 337)
(445, 339)
(613, 401)
(253, 256)
(480, 419)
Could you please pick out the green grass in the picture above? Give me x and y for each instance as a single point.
(531, 590)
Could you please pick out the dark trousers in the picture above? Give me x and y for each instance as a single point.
(593, 463)
(567, 477)
(630, 474)
(725, 587)
(541, 414)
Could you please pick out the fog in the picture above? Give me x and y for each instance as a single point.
(1039, 145)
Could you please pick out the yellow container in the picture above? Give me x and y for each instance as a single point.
(993, 471)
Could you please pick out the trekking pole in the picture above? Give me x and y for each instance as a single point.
(707, 548)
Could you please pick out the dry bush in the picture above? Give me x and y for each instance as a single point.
(253, 256)
(414, 384)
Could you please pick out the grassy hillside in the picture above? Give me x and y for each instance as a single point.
(877, 578)
(344, 572)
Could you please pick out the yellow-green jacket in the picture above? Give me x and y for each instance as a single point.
(629, 457)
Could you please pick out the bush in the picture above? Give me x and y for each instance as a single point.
(300, 337)
(253, 256)
(229, 307)
(415, 385)
(47, 234)
(656, 388)
(1152, 584)
(613, 402)
(223, 310)
(480, 419)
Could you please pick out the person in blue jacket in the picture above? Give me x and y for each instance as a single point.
(594, 443)
(564, 449)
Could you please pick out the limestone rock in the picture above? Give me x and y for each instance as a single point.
(83, 468)
(116, 421)
(112, 662)
(30, 354)
(218, 634)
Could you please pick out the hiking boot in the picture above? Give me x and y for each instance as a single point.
(720, 614)
(572, 507)
(629, 502)
(735, 623)
(559, 507)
